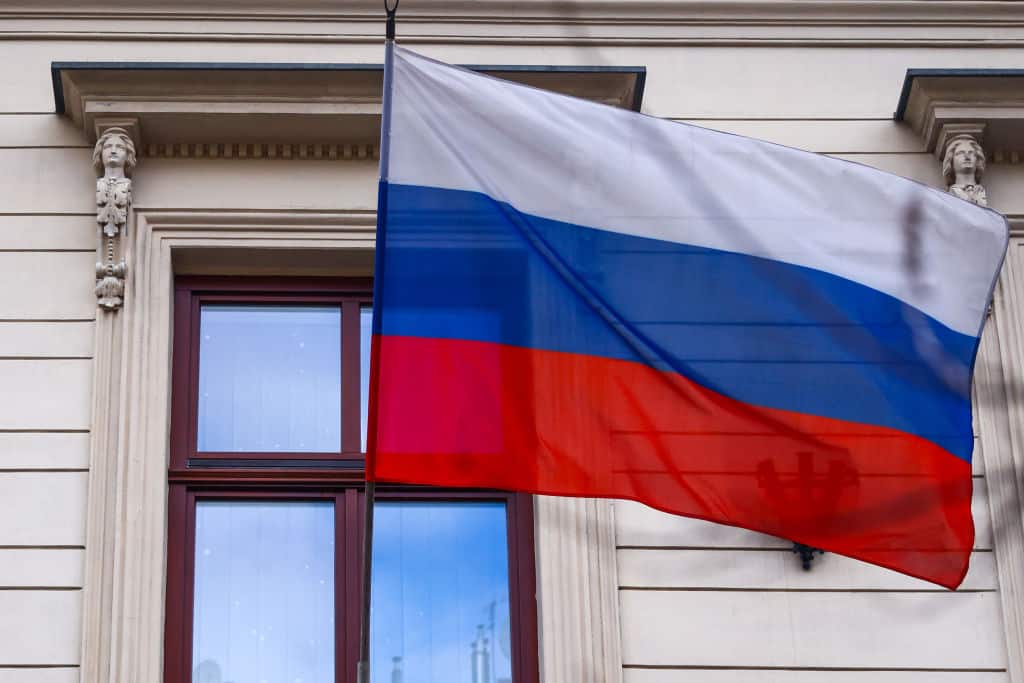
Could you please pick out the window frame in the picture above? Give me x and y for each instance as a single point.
(297, 476)
(349, 294)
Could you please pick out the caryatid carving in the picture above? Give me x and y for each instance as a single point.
(114, 159)
(963, 167)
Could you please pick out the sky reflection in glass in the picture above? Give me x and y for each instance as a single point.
(440, 593)
(269, 379)
(264, 592)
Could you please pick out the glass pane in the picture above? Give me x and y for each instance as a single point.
(264, 592)
(270, 379)
(365, 334)
(440, 609)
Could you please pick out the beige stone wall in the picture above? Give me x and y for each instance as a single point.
(697, 602)
(46, 347)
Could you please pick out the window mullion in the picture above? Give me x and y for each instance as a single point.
(341, 588)
(350, 421)
(353, 559)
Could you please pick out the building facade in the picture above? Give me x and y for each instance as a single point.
(197, 180)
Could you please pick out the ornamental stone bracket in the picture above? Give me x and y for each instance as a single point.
(114, 160)
(966, 117)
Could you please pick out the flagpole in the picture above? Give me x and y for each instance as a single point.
(363, 667)
(363, 670)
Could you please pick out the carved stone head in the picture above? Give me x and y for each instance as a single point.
(964, 158)
(114, 150)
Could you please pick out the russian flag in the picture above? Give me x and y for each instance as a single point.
(575, 299)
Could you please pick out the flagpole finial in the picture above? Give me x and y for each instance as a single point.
(391, 11)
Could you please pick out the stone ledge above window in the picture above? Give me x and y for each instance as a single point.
(987, 104)
(242, 110)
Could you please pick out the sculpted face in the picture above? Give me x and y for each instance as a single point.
(965, 159)
(115, 152)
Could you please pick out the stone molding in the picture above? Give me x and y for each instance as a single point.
(949, 131)
(593, 23)
(987, 104)
(125, 572)
(577, 590)
(1009, 158)
(126, 521)
(263, 150)
(698, 12)
(274, 110)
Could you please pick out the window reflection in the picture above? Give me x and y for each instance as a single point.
(365, 336)
(440, 594)
(269, 379)
(264, 592)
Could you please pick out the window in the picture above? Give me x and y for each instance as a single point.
(269, 379)
(266, 501)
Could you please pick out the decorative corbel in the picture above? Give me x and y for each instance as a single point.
(113, 158)
(963, 161)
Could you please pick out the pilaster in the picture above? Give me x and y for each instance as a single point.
(577, 591)
(1000, 407)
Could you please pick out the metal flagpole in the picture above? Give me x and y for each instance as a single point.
(363, 671)
(390, 9)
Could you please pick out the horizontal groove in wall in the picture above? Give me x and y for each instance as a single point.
(47, 320)
(34, 358)
(738, 473)
(702, 589)
(744, 548)
(722, 119)
(795, 119)
(44, 431)
(45, 357)
(704, 547)
(47, 213)
(44, 146)
(47, 470)
(725, 667)
(47, 251)
(42, 547)
(51, 589)
(243, 211)
(863, 154)
(38, 666)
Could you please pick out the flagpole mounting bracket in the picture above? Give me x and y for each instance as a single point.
(806, 554)
(391, 13)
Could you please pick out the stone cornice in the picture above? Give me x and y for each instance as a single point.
(990, 102)
(704, 12)
(286, 111)
(822, 23)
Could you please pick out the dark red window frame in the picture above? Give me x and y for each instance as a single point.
(195, 476)
(191, 293)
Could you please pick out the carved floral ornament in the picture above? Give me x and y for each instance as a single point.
(963, 166)
(113, 158)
